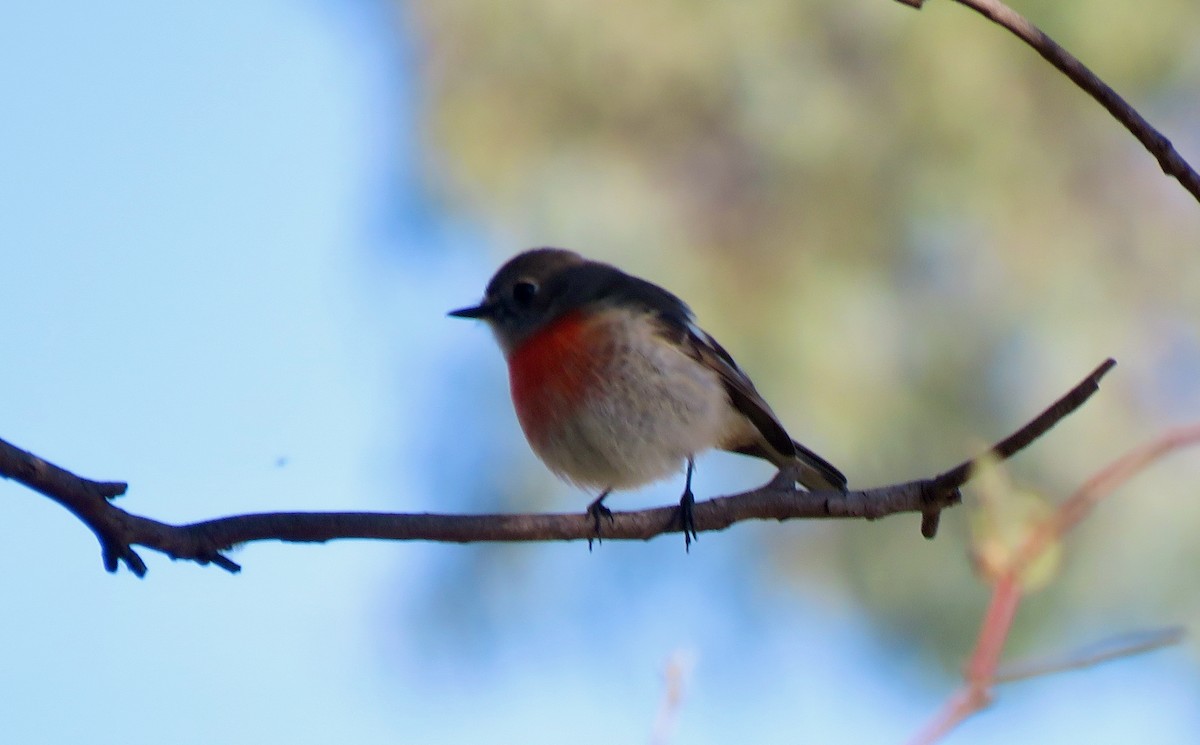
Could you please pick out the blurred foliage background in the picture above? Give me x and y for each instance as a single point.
(912, 231)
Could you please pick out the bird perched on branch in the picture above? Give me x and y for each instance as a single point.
(616, 386)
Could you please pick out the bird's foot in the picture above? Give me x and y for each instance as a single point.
(687, 519)
(597, 511)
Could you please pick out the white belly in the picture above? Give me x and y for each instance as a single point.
(652, 408)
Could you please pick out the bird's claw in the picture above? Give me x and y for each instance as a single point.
(597, 511)
(687, 519)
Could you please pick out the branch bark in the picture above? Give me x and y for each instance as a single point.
(203, 542)
(1171, 162)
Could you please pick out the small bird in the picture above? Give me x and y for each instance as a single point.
(615, 386)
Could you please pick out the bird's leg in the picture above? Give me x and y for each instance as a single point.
(597, 510)
(686, 503)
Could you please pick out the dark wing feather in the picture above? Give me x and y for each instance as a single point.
(742, 393)
(816, 472)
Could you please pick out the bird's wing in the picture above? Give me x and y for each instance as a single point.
(678, 324)
(816, 472)
(742, 393)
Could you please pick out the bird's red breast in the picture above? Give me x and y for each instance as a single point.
(552, 371)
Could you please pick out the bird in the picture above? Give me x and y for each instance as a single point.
(615, 385)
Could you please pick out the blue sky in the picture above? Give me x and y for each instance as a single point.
(222, 283)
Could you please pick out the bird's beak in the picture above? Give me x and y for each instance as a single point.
(484, 310)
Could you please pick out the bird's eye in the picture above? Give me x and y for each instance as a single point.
(523, 293)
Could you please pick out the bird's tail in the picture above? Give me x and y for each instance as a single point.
(816, 473)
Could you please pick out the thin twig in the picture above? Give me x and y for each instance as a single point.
(1125, 645)
(678, 670)
(1171, 162)
(976, 692)
(1019, 440)
(1104, 482)
(204, 542)
(982, 671)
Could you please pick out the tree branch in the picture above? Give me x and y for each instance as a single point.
(203, 542)
(1171, 162)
